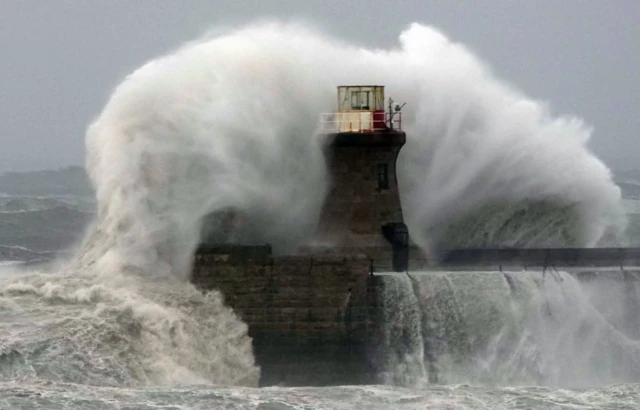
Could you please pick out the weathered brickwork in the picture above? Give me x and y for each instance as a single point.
(363, 194)
(309, 316)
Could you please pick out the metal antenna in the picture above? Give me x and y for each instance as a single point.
(393, 112)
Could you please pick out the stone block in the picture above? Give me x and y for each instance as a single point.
(290, 270)
(299, 281)
(293, 260)
(331, 260)
(257, 271)
(325, 314)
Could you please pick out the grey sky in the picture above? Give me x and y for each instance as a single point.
(60, 59)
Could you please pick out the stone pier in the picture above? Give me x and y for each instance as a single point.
(310, 317)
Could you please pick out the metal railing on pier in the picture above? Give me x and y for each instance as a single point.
(520, 259)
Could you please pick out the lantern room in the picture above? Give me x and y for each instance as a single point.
(360, 98)
(361, 108)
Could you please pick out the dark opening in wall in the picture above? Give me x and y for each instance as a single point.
(382, 176)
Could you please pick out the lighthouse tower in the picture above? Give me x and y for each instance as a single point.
(362, 211)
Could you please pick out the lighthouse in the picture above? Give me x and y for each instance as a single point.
(362, 211)
(315, 317)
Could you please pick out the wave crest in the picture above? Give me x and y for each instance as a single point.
(230, 121)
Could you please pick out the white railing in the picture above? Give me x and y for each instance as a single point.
(358, 121)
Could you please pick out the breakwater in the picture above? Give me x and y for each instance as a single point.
(329, 319)
(310, 317)
(541, 257)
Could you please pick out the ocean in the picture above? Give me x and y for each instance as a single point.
(454, 397)
(96, 310)
(77, 340)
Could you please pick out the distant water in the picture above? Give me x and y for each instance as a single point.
(35, 228)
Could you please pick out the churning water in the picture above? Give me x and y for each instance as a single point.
(230, 121)
(506, 328)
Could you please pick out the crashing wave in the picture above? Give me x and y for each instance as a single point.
(128, 331)
(229, 122)
(522, 224)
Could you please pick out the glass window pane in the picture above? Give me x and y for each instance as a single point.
(355, 99)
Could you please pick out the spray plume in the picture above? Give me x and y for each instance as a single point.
(230, 122)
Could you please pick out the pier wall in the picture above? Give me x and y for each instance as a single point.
(317, 318)
(309, 316)
(559, 257)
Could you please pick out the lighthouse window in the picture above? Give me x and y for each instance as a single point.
(355, 100)
(382, 176)
(360, 100)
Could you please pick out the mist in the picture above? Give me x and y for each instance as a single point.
(230, 121)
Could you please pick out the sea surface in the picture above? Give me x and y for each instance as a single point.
(453, 397)
(65, 336)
